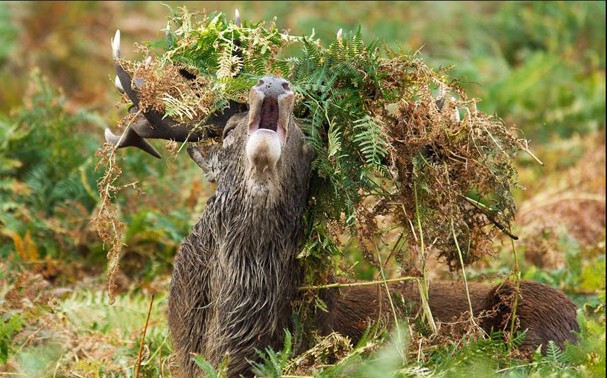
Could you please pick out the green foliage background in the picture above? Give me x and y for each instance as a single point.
(538, 65)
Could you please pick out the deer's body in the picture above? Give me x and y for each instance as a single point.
(236, 274)
(545, 313)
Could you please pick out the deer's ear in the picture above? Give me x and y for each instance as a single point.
(207, 160)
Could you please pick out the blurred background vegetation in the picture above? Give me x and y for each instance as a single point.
(539, 65)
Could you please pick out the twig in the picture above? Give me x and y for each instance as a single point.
(461, 261)
(355, 284)
(423, 284)
(30, 337)
(393, 249)
(410, 223)
(496, 142)
(525, 147)
(145, 328)
(532, 364)
(389, 294)
(497, 224)
(517, 276)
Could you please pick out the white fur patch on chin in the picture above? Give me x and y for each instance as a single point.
(263, 150)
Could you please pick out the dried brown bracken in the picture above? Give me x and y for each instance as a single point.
(405, 162)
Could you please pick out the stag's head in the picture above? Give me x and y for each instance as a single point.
(262, 147)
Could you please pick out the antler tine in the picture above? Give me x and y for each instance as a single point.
(118, 84)
(152, 124)
(131, 138)
(116, 44)
(236, 17)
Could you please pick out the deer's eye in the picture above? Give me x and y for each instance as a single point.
(228, 130)
(228, 137)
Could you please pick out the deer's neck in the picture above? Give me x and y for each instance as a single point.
(254, 275)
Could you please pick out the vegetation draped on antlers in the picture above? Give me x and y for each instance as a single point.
(392, 137)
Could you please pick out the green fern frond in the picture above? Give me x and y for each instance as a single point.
(371, 141)
(273, 363)
(554, 354)
(519, 338)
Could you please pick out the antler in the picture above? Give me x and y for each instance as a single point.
(152, 124)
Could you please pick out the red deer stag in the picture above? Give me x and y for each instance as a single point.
(236, 274)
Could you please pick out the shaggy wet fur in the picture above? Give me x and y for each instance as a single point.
(236, 274)
(546, 313)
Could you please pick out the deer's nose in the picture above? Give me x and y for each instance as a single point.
(272, 86)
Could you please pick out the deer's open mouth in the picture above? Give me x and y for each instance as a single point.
(271, 104)
(268, 118)
(269, 114)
